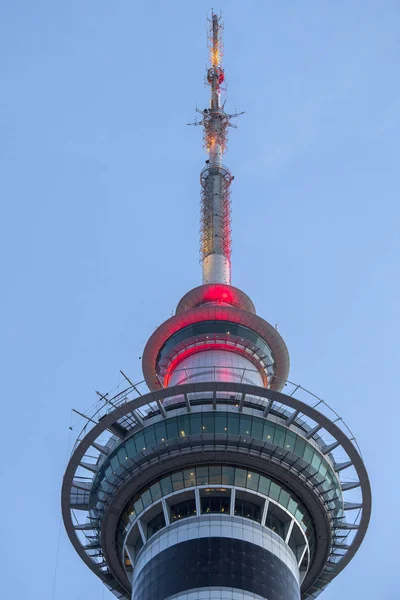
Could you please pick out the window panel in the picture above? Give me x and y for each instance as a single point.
(274, 491)
(290, 441)
(257, 428)
(308, 454)
(138, 505)
(244, 425)
(269, 432)
(252, 481)
(177, 481)
(150, 437)
(189, 477)
(122, 455)
(221, 423)
(299, 446)
(264, 485)
(114, 462)
(228, 475)
(284, 498)
(195, 424)
(160, 432)
(292, 506)
(208, 422)
(316, 461)
(202, 475)
(240, 477)
(233, 423)
(140, 442)
(279, 437)
(131, 447)
(155, 491)
(166, 485)
(146, 498)
(172, 429)
(214, 473)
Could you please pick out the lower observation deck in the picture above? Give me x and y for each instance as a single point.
(285, 467)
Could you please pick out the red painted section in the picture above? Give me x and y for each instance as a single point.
(216, 293)
(215, 312)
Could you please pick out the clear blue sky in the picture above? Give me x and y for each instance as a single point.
(99, 230)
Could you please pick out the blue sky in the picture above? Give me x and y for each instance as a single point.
(100, 218)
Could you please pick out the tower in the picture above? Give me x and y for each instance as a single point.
(214, 484)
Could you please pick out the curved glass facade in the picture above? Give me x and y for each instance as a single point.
(216, 365)
(214, 332)
(117, 465)
(217, 475)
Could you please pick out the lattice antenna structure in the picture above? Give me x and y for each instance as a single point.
(215, 178)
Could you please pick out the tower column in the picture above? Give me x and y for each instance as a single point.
(205, 556)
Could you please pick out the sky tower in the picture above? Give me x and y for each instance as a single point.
(212, 483)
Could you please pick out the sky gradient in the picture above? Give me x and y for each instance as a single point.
(99, 179)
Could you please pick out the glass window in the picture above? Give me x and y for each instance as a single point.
(308, 454)
(246, 509)
(184, 425)
(160, 432)
(155, 491)
(189, 477)
(146, 498)
(323, 470)
(269, 432)
(275, 524)
(202, 475)
(245, 425)
(274, 491)
(264, 485)
(214, 473)
(122, 455)
(233, 423)
(252, 481)
(183, 510)
(195, 424)
(114, 462)
(172, 429)
(109, 473)
(177, 481)
(299, 446)
(166, 485)
(215, 502)
(140, 442)
(228, 475)
(150, 437)
(284, 498)
(292, 506)
(299, 515)
(316, 461)
(290, 441)
(279, 438)
(138, 504)
(240, 477)
(131, 447)
(157, 523)
(208, 422)
(221, 423)
(257, 428)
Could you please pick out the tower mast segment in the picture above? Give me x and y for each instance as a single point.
(215, 178)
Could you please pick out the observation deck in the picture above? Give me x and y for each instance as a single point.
(282, 469)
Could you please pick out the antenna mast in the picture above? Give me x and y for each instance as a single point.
(215, 178)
